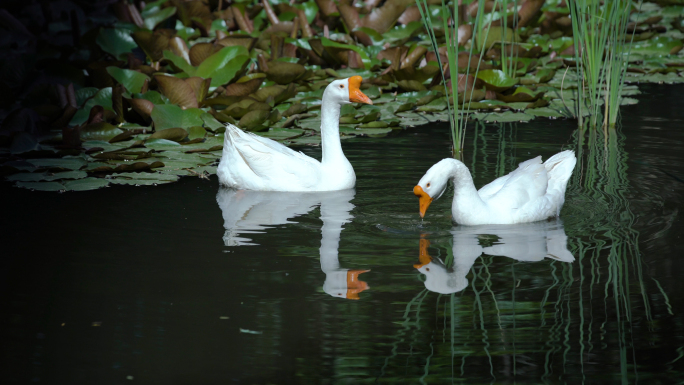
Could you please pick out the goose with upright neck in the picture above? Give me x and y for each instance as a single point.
(532, 192)
(252, 162)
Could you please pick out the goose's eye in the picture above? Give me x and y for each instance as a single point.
(428, 185)
(341, 85)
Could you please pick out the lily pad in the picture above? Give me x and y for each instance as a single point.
(162, 144)
(153, 20)
(132, 80)
(521, 94)
(61, 163)
(374, 124)
(175, 134)
(252, 121)
(85, 184)
(196, 132)
(496, 80)
(116, 41)
(332, 44)
(401, 33)
(142, 178)
(659, 46)
(27, 177)
(170, 115)
(434, 106)
(211, 123)
(488, 37)
(102, 98)
(42, 186)
(371, 132)
(283, 72)
(507, 116)
(100, 131)
(544, 112)
(67, 175)
(542, 75)
(222, 66)
(281, 133)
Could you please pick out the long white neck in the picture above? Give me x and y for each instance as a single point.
(330, 130)
(466, 198)
(335, 212)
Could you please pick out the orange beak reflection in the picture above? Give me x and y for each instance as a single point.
(355, 94)
(424, 199)
(354, 284)
(424, 257)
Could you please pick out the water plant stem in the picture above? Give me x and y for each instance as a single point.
(601, 56)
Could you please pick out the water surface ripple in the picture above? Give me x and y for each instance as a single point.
(189, 283)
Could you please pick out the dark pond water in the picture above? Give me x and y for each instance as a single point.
(189, 284)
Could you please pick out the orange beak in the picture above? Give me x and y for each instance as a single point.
(355, 94)
(424, 200)
(424, 257)
(354, 285)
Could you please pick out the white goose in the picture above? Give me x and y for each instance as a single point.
(252, 162)
(532, 192)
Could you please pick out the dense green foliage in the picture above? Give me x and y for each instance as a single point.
(147, 88)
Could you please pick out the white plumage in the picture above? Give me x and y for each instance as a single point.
(252, 162)
(532, 192)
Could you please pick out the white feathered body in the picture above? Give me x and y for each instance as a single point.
(253, 162)
(532, 192)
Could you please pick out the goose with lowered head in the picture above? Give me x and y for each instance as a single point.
(252, 162)
(532, 192)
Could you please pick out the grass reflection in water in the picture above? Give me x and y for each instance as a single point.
(552, 321)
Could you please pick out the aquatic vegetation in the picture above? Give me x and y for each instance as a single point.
(601, 50)
(147, 88)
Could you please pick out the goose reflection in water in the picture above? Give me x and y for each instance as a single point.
(529, 242)
(253, 212)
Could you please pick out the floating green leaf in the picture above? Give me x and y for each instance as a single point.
(153, 20)
(131, 80)
(142, 178)
(116, 41)
(364, 57)
(162, 144)
(210, 122)
(102, 98)
(175, 134)
(545, 112)
(222, 66)
(42, 186)
(27, 177)
(496, 80)
(402, 33)
(85, 184)
(100, 131)
(281, 133)
(63, 163)
(659, 46)
(507, 116)
(434, 106)
(170, 115)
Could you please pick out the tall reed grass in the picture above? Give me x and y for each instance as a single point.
(481, 29)
(451, 37)
(601, 54)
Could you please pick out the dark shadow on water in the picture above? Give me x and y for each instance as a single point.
(158, 283)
